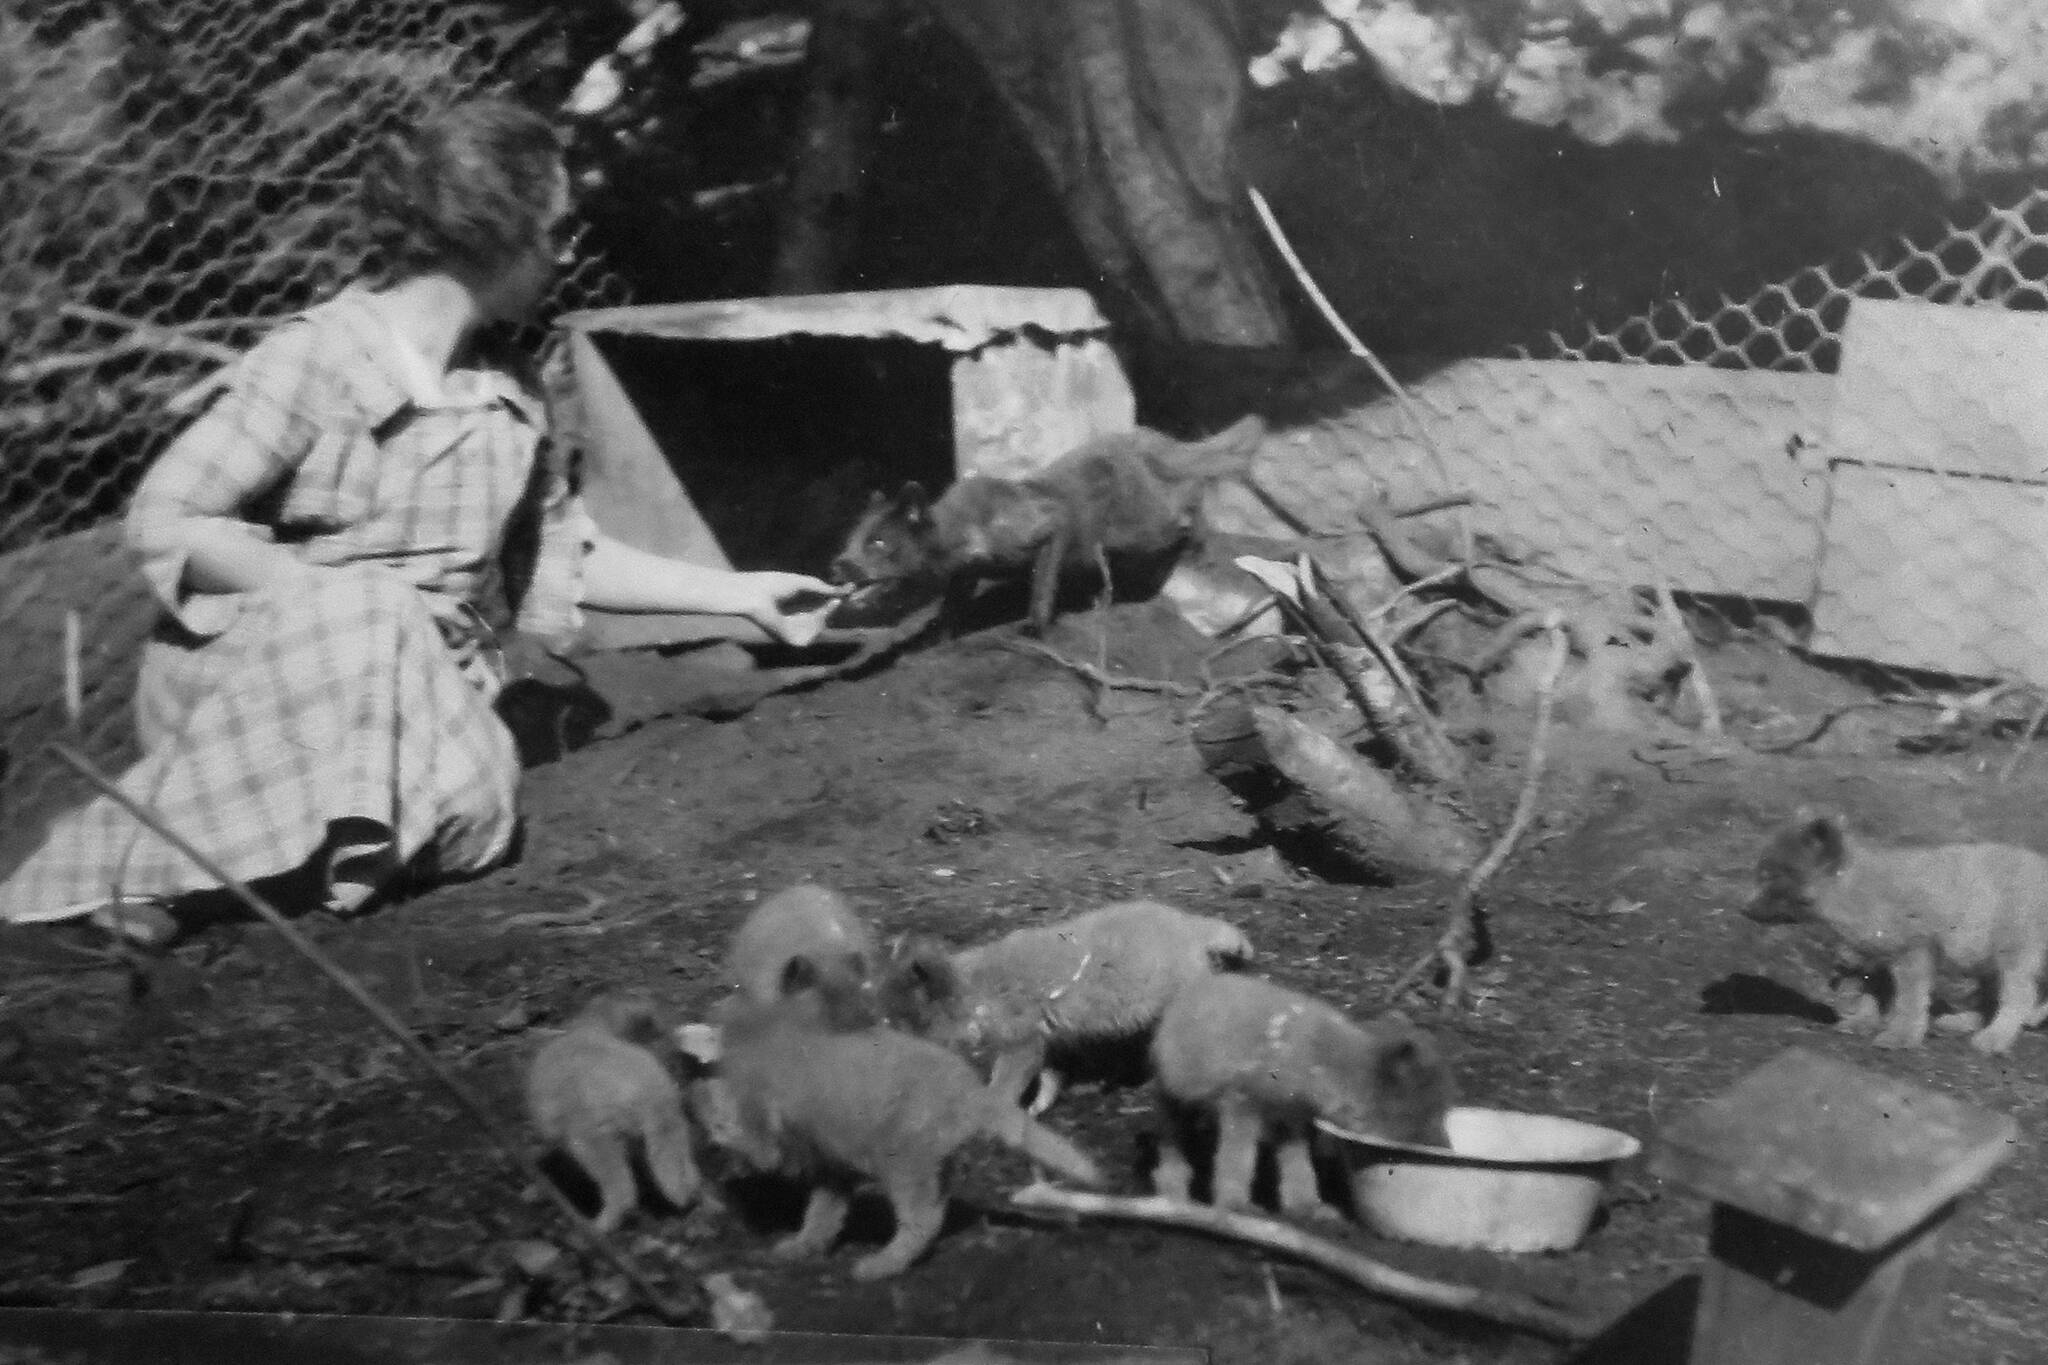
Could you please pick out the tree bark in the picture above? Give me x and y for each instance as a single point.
(1131, 105)
(834, 144)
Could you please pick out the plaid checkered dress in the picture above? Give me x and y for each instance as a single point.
(349, 720)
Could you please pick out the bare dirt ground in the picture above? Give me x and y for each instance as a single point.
(225, 1131)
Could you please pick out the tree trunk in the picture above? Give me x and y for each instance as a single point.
(835, 140)
(1131, 105)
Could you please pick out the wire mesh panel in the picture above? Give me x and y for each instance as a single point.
(175, 179)
(1995, 253)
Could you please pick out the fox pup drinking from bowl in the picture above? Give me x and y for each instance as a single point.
(1266, 1062)
(836, 1106)
(1979, 908)
(1121, 505)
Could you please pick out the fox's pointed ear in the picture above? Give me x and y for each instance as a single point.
(877, 500)
(1407, 1066)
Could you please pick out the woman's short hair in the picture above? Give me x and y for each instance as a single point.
(469, 187)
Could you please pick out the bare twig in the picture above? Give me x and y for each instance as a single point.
(1827, 722)
(74, 674)
(1454, 945)
(1305, 625)
(2019, 750)
(1443, 503)
(1435, 757)
(1101, 677)
(500, 1136)
(1423, 584)
(1364, 352)
(185, 348)
(1513, 1310)
(1422, 618)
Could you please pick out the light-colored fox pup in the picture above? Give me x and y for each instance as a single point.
(907, 982)
(1267, 1062)
(599, 1093)
(1979, 908)
(1102, 975)
(836, 1106)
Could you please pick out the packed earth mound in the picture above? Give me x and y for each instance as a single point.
(222, 1129)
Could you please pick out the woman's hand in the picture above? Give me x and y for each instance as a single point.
(792, 607)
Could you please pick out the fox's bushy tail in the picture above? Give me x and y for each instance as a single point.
(1228, 947)
(1227, 454)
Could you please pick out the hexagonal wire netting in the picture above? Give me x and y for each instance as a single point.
(1900, 499)
(1999, 257)
(170, 189)
(171, 175)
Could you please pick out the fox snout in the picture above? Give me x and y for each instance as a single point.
(849, 572)
(1774, 904)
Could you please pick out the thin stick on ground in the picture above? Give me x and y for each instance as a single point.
(1098, 675)
(1495, 1305)
(2019, 750)
(493, 1127)
(1453, 947)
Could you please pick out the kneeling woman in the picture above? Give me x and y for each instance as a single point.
(327, 540)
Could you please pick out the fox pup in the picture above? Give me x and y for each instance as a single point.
(1268, 1061)
(599, 1091)
(836, 1106)
(1101, 975)
(1122, 506)
(1979, 908)
(908, 982)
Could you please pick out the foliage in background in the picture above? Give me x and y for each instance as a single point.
(1959, 85)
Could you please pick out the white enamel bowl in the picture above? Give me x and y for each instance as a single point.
(1508, 1181)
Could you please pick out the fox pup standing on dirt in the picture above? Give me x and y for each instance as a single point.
(598, 1093)
(1979, 908)
(836, 1106)
(1099, 976)
(1122, 505)
(1268, 1062)
(906, 982)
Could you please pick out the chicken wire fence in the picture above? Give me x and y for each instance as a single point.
(175, 180)
(171, 192)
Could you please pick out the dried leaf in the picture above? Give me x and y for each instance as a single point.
(106, 1272)
(482, 1285)
(533, 1256)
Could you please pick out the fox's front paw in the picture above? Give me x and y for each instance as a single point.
(881, 1265)
(1312, 1211)
(796, 1247)
(1893, 1036)
(1957, 1022)
(1994, 1040)
(1861, 1016)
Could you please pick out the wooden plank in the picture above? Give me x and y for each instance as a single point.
(1944, 387)
(1614, 472)
(1935, 571)
(1773, 1296)
(1848, 1155)
(1019, 407)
